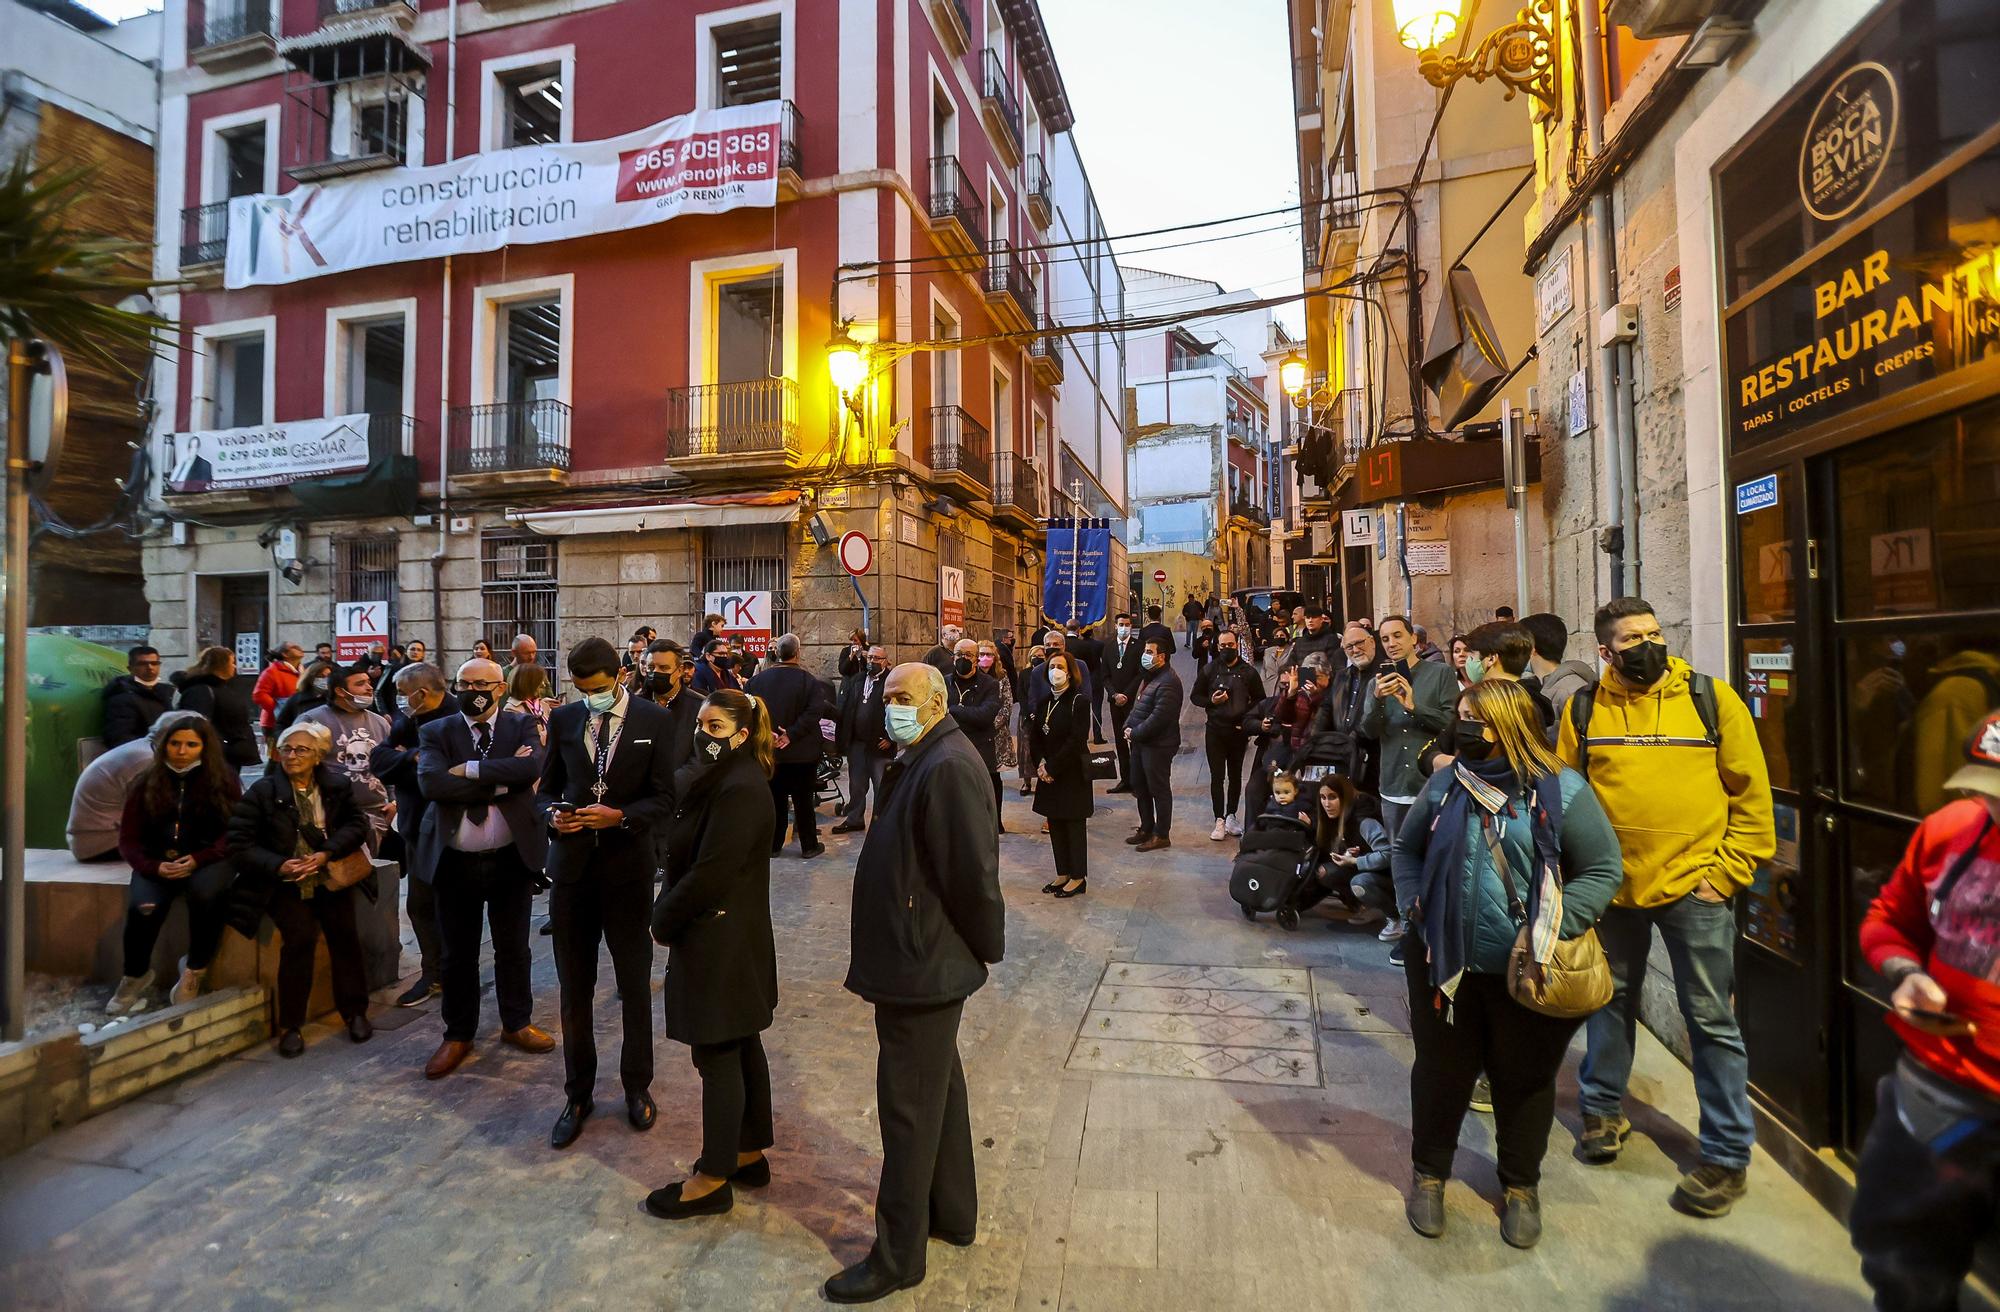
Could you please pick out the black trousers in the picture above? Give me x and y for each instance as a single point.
(1918, 1217)
(1520, 1052)
(1118, 742)
(148, 900)
(793, 784)
(735, 1103)
(1072, 854)
(1226, 744)
(865, 767)
(1257, 788)
(300, 922)
(617, 911)
(421, 903)
(1153, 788)
(499, 884)
(927, 1173)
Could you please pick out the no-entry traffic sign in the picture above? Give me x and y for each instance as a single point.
(857, 553)
(1160, 577)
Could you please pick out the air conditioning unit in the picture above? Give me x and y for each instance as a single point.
(1651, 19)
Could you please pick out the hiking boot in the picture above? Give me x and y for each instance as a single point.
(1521, 1217)
(1220, 832)
(1711, 1190)
(189, 986)
(1482, 1096)
(134, 995)
(1602, 1138)
(1425, 1206)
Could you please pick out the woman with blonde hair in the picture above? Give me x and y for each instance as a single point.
(714, 917)
(528, 693)
(1506, 837)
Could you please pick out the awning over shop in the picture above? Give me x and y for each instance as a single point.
(706, 512)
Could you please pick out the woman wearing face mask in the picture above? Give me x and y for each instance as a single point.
(1506, 837)
(714, 917)
(1351, 847)
(529, 694)
(1029, 751)
(1003, 719)
(1063, 794)
(175, 835)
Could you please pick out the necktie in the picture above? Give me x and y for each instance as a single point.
(603, 743)
(477, 811)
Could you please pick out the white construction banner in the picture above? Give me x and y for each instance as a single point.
(267, 455)
(704, 162)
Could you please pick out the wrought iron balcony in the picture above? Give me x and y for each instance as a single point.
(999, 105)
(204, 234)
(955, 211)
(735, 420)
(1048, 357)
(954, 24)
(1010, 292)
(1243, 508)
(1036, 190)
(958, 448)
(509, 442)
(403, 11)
(1020, 489)
(224, 31)
(789, 120)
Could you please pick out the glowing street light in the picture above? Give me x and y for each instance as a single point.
(845, 363)
(1292, 376)
(1425, 24)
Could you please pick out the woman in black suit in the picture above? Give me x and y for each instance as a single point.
(1063, 794)
(714, 917)
(291, 825)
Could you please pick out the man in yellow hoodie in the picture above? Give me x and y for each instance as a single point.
(1674, 758)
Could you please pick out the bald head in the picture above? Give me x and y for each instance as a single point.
(481, 670)
(917, 684)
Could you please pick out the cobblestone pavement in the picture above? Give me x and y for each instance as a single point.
(1265, 1170)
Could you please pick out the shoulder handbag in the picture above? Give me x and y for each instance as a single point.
(1576, 979)
(347, 871)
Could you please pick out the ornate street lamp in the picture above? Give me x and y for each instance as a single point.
(845, 363)
(1520, 55)
(1292, 376)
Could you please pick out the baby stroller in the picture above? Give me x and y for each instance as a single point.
(1273, 869)
(827, 783)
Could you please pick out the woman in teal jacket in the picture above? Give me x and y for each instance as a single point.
(1506, 792)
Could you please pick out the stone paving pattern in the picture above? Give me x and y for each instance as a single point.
(344, 1180)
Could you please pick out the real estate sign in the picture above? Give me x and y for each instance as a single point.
(267, 455)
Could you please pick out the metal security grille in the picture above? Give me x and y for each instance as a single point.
(750, 558)
(364, 569)
(1005, 612)
(517, 594)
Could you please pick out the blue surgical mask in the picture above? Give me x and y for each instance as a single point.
(600, 702)
(1146, 660)
(903, 724)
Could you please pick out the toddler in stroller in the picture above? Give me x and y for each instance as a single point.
(1274, 864)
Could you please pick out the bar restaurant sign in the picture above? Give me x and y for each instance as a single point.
(1850, 286)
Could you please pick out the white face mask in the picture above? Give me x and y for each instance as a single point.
(1058, 678)
(183, 769)
(1124, 632)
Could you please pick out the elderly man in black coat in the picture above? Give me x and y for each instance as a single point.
(420, 686)
(797, 701)
(928, 921)
(973, 697)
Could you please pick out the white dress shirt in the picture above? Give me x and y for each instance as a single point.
(494, 833)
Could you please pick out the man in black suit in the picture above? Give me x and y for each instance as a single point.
(1121, 680)
(481, 846)
(797, 702)
(974, 699)
(663, 677)
(608, 781)
(930, 863)
(863, 738)
(1156, 630)
(419, 697)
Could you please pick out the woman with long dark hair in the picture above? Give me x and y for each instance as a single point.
(1351, 846)
(1506, 837)
(1063, 794)
(209, 687)
(174, 833)
(714, 917)
(292, 825)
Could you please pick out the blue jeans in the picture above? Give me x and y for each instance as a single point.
(1701, 945)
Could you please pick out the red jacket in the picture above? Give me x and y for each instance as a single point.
(1959, 951)
(277, 682)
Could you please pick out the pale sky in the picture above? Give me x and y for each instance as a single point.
(1184, 114)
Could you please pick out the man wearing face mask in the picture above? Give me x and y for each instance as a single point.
(1226, 689)
(928, 920)
(1154, 730)
(663, 678)
(797, 703)
(357, 730)
(863, 738)
(716, 668)
(1121, 680)
(1674, 758)
(420, 699)
(481, 848)
(940, 657)
(609, 779)
(973, 696)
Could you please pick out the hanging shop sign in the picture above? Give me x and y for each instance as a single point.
(266, 455)
(706, 162)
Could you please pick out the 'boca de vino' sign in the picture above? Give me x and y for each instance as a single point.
(1847, 141)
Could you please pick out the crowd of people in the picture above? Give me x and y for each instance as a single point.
(1513, 824)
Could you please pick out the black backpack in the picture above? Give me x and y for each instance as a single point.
(1700, 687)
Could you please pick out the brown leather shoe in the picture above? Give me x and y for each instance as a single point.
(1153, 845)
(449, 1056)
(529, 1039)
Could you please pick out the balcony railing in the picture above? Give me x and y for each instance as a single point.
(1018, 482)
(959, 444)
(1305, 85)
(998, 92)
(1048, 354)
(1243, 508)
(511, 437)
(1007, 273)
(225, 22)
(204, 234)
(1035, 186)
(956, 22)
(329, 9)
(733, 419)
(952, 197)
(788, 137)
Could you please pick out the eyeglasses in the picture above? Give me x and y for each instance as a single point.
(484, 685)
(298, 751)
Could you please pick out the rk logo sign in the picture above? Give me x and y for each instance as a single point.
(746, 617)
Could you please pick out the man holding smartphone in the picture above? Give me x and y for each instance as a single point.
(1409, 702)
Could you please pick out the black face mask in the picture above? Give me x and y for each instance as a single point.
(475, 704)
(1643, 664)
(877, 669)
(1472, 741)
(660, 684)
(708, 749)
(1229, 655)
(964, 666)
(722, 662)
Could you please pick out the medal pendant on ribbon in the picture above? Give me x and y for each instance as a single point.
(598, 790)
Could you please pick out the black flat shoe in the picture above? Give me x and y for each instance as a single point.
(1054, 885)
(754, 1175)
(641, 1110)
(570, 1124)
(817, 849)
(1082, 885)
(862, 1283)
(667, 1204)
(360, 1029)
(291, 1043)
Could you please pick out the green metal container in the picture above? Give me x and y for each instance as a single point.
(66, 679)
